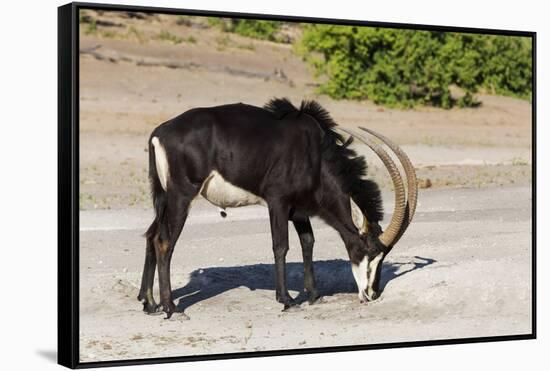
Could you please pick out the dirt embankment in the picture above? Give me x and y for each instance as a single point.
(137, 73)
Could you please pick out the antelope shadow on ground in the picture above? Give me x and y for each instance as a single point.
(332, 276)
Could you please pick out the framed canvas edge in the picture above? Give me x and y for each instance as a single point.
(534, 186)
(68, 186)
(67, 254)
(286, 352)
(306, 19)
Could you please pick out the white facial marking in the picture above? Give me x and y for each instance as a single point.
(355, 271)
(223, 194)
(360, 274)
(373, 266)
(357, 216)
(161, 162)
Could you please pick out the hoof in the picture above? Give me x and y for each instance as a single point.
(170, 310)
(314, 297)
(157, 312)
(284, 299)
(291, 306)
(151, 308)
(316, 300)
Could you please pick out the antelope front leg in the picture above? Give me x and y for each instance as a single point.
(305, 233)
(278, 216)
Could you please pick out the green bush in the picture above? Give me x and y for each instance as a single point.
(263, 30)
(409, 67)
(169, 37)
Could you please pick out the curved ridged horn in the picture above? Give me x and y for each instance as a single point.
(412, 185)
(391, 234)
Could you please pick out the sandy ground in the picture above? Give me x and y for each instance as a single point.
(462, 269)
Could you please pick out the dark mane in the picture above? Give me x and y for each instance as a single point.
(280, 107)
(345, 164)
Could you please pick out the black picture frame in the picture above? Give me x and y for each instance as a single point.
(68, 184)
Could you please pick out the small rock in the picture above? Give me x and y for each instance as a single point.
(424, 183)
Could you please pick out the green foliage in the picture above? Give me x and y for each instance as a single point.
(83, 16)
(169, 37)
(248, 46)
(109, 34)
(135, 33)
(256, 29)
(222, 42)
(91, 29)
(183, 20)
(409, 67)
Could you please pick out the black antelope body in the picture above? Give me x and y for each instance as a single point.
(291, 160)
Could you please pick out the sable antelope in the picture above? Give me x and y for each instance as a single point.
(291, 160)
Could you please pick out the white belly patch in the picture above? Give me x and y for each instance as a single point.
(223, 194)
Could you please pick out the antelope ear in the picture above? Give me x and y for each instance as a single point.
(358, 218)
